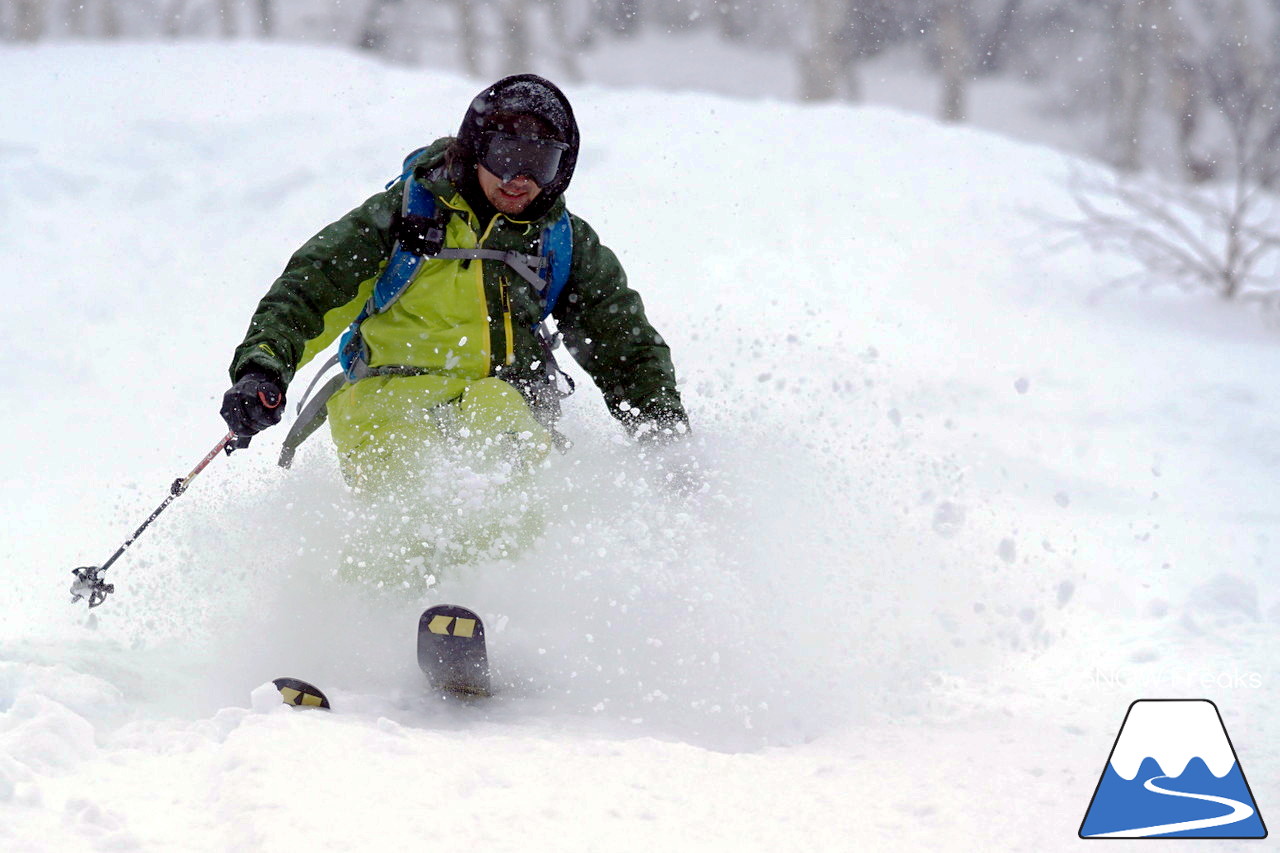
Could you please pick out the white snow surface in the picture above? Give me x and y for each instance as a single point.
(1172, 733)
(964, 501)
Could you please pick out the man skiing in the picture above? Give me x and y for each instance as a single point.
(456, 351)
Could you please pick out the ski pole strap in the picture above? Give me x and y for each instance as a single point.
(324, 368)
(310, 417)
(551, 366)
(313, 411)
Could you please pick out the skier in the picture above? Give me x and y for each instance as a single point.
(460, 354)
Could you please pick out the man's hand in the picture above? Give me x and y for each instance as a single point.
(254, 403)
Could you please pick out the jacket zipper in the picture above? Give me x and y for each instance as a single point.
(505, 295)
(484, 303)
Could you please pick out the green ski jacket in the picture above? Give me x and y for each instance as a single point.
(465, 319)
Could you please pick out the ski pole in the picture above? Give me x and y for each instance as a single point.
(89, 581)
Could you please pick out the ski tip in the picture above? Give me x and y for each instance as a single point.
(451, 651)
(448, 611)
(300, 693)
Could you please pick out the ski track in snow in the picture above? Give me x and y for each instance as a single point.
(962, 505)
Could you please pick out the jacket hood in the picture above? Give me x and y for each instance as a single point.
(524, 94)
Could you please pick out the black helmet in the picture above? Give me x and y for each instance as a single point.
(507, 108)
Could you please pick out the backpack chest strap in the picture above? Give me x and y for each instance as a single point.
(526, 266)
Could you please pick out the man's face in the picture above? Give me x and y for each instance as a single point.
(510, 197)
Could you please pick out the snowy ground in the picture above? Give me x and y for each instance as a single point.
(965, 503)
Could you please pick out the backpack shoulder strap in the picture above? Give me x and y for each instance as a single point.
(557, 248)
(407, 170)
(417, 231)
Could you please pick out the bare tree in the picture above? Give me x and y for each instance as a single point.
(621, 17)
(110, 21)
(516, 53)
(1241, 84)
(468, 36)
(566, 42)
(825, 66)
(172, 19)
(29, 21)
(76, 18)
(373, 32)
(266, 18)
(227, 18)
(1183, 77)
(993, 45)
(954, 52)
(1225, 236)
(731, 21)
(1130, 80)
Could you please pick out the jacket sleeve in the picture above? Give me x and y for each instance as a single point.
(318, 294)
(606, 331)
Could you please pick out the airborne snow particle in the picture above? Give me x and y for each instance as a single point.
(948, 518)
(1022, 384)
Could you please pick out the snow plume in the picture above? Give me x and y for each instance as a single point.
(806, 584)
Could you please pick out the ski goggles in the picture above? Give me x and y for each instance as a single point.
(508, 156)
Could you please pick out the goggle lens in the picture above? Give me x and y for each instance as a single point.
(509, 156)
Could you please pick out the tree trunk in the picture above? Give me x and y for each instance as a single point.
(953, 55)
(468, 37)
(266, 18)
(1184, 90)
(622, 17)
(515, 37)
(991, 54)
(1130, 68)
(1256, 97)
(1271, 137)
(227, 18)
(77, 19)
(174, 15)
(373, 36)
(819, 51)
(730, 21)
(29, 23)
(110, 21)
(564, 41)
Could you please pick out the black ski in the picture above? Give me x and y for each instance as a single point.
(451, 650)
(297, 692)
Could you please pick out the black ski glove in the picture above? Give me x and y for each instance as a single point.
(254, 403)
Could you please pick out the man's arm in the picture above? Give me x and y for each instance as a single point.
(606, 331)
(316, 296)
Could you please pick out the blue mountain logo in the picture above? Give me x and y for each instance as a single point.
(1173, 773)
